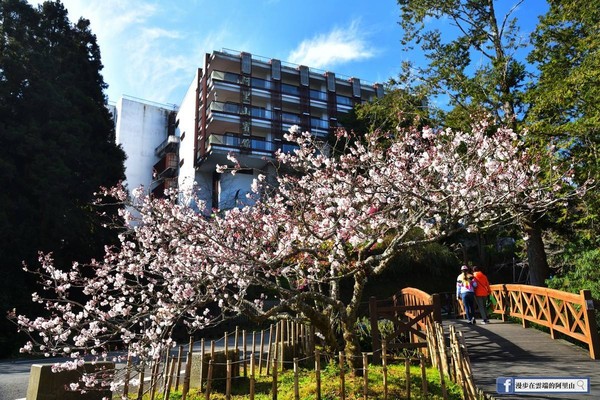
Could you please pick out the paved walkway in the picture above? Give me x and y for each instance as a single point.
(502, 349)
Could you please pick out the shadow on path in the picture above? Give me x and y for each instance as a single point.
(500, 349)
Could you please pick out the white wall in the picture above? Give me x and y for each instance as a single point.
(187, 121)
(140, 128)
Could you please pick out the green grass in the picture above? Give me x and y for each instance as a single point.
(330, 385)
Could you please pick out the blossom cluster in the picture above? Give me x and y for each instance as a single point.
(338, 211)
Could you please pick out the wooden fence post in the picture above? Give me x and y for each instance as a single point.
(274, 384)
(178, 371)
(244, 348)
(342, 378)
(140, 391)
(374, 329)
(436, 302)
(318, 372)
(365, 376)
(228, 381)
(209, 379)
(202, 361)
(252, 382)
(262, 349)
(407, 368)
(170, 371)
(423, 375)
(384, 368)
(296, 388)
(226, 345)
(127, 376)
(236, 353)
(188, 369)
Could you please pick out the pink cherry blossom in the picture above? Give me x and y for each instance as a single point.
(343, 214)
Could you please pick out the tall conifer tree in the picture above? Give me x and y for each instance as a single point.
(57, 140)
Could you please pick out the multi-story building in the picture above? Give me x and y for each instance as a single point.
(146, 131)
(244, 104)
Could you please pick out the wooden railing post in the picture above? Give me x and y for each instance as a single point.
(590, 322)
(505, 303)
(437, 307)
(374, 329)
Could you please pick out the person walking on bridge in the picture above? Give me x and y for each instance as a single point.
(465, 291)
(482, 292)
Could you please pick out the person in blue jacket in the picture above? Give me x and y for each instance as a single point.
(465, 291)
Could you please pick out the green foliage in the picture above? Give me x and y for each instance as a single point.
(330, 385)
(57, 145)
(564, 110)
(582, 274)
(473, 63)
(363, 330)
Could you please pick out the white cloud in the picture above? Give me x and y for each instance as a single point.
(339, 46)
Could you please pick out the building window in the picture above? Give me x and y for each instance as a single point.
(182, 136)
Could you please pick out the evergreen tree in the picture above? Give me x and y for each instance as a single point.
(476, 68)
(564, 102)
(57, 139)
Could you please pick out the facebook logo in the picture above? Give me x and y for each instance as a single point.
(505, 385)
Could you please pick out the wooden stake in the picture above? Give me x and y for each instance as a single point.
(365, 376)
(269, 360)
(244, 352)
(228, 381)
(318, 372)
(127, 376)
(274, 383)
(140, 392)
(407, 367)
(188, 369)
(342, 377)
(209, 379)
(252, 381)
(296, 388)
(261, 351)
(384, 368)
(178, 371)
(423, 375)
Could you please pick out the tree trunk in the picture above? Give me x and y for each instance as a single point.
(539, 270)
(351, 344)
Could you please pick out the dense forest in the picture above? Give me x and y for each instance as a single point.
(57, 147)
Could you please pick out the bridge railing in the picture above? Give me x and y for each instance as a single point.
(568, 313)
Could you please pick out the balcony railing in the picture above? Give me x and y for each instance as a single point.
(260, 112)
(236, 142)
(169, 145)
(258, 83)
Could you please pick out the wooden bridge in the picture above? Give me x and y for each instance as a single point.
(508, 346)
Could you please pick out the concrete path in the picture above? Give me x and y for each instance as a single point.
(500, 349)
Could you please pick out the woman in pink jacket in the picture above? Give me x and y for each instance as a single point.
(465, 291)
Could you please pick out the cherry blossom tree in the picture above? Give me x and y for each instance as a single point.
(332, 216)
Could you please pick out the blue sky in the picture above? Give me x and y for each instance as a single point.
(151, 48)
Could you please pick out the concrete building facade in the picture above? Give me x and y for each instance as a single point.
(237, 103)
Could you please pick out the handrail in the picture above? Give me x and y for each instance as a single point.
(568, 313)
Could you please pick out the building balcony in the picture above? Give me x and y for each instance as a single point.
(165, 184)
(167, 166)
(232, 142)
(170, 145)
(318, 126)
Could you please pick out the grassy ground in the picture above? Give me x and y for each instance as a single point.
(330, 386)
